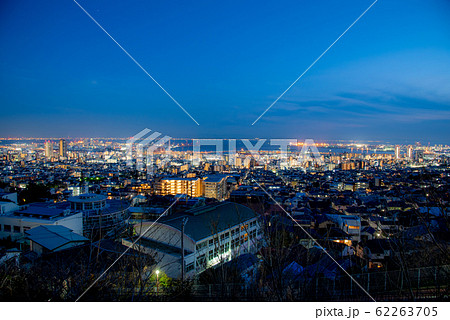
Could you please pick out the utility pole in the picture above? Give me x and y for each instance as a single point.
(183, 223)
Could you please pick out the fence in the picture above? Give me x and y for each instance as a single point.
(430, 283)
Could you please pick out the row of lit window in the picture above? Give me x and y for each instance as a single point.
(235, 232)
(220, 250)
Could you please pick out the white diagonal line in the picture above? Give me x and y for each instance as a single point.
(139, 135)
(137, 63)
(163, 140)
(315, 241)
(150, 138)
(123, 253)
(130, 142)
(312, 64)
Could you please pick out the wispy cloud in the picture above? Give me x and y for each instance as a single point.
(377, 105)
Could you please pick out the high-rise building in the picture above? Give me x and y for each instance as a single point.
(62, 148)
(48, 149)
(410, 152)
(419, 155)
(238, 162)
(397, 152)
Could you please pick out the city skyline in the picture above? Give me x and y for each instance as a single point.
(334, 142)
(226, 63)
(226, 151)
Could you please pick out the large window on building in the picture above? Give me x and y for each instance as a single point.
(234, 243)
(189, 267)
(201, 245)
(201, 262)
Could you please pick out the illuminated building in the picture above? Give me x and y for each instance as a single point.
(238, 162)
(419, 155)
(213, 234)
(348, 166)
(48, 150)
(77, 190)
(397, 152)
(410, 152)
(101, 217)
(348, 223)
(62, 148)
(192, 187)
(216, 187)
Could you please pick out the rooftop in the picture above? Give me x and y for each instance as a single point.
(44, 212)
(87, 197)
(215, 178)
(210, 219)
(53, 237)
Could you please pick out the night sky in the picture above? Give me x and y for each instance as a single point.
(225, 62)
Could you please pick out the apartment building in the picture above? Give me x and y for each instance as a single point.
(216, 187)
(192, 187)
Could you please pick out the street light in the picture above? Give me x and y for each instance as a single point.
(157, 282)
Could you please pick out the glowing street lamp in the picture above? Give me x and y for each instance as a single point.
(157, 281)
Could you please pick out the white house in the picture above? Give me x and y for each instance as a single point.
(15, 224)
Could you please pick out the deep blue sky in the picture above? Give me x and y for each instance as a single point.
(226, 61)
